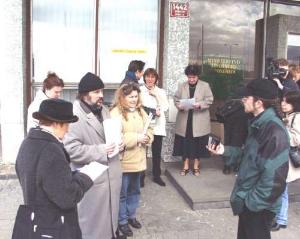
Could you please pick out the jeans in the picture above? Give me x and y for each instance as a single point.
(282, 217)
(129, 197)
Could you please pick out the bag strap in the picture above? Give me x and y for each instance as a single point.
(293, 120)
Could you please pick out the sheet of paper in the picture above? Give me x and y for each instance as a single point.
(113, 133)
(187, 103)
(93, 169)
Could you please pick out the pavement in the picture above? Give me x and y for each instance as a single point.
(163, 211)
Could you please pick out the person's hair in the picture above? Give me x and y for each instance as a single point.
(120, 95)
(293, 70)
(293, 98)
(82, 95)
(270, 103)
(51, 81)
(151, 71)
(136, 65)
(192, 69)
(282, 62)
(48, 122)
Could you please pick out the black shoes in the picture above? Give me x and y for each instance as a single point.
(134, 223)
(276, 227)
(159, 181)
(126, 230)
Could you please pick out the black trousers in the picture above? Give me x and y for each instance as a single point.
(156, 155)
(255, 225)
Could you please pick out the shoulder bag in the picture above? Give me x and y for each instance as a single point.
(295, 151)
(36, 222)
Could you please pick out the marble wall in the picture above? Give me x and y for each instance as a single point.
(176, 57)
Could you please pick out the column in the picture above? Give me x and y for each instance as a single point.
(12, 76)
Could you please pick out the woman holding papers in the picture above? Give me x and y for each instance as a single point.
(155, 98)
(136, 135)
(192, 99)
(45, 176)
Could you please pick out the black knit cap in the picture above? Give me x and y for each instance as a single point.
(56, 110)
(90, 82)
(261, 88)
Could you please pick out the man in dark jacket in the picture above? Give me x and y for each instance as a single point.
(135, 72)
(285, 83)
(264, 163)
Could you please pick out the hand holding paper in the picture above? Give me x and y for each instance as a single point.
(187, 104)
(93, 169)
(113, 134)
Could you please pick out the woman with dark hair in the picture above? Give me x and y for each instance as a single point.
(155, 99)
(49, 186)
(128, 108)
(192, 124)
(290, 106)
(52, 88)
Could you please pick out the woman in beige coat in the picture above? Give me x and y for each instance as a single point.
(192, 124)
(128, 108)
(290, 106)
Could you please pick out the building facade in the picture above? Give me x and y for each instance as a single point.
(230, 39)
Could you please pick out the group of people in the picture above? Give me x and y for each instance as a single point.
(56, 160)
(260, 194)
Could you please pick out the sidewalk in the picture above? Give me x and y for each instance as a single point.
(163, 213)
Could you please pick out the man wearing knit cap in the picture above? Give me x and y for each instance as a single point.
(85, 142)
(264, 163)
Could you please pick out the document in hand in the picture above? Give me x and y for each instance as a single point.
(187, 103)
(113, 133)
(93, 169)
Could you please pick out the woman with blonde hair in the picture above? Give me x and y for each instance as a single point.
(128, 108)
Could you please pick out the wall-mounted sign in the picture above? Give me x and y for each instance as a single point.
(224, 65)
(179, 9)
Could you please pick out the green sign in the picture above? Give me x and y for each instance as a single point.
(223, 74)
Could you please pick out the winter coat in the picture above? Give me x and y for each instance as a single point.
(85, 142)
(150, 101)
(201, 117)
(33, 107)
(134, 157)
(264, 165)
(294, 133)
(55, 187)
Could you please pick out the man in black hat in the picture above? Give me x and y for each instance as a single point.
(264, 163)
(85, 142)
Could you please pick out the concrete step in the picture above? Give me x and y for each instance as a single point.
(212, 189)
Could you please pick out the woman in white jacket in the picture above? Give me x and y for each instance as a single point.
(290, 106)
(52, 88)
(155, 99)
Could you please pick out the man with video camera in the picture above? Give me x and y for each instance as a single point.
(282, 77)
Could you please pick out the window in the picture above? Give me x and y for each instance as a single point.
(63, 36)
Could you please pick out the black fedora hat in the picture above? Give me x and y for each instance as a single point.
(56, 110)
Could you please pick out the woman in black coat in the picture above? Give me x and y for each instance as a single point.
(43, 170)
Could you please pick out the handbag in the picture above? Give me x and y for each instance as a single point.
(150, 110)
(295, 151)
(36, 222)
(226, 110)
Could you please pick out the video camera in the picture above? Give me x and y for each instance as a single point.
(274, 71)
